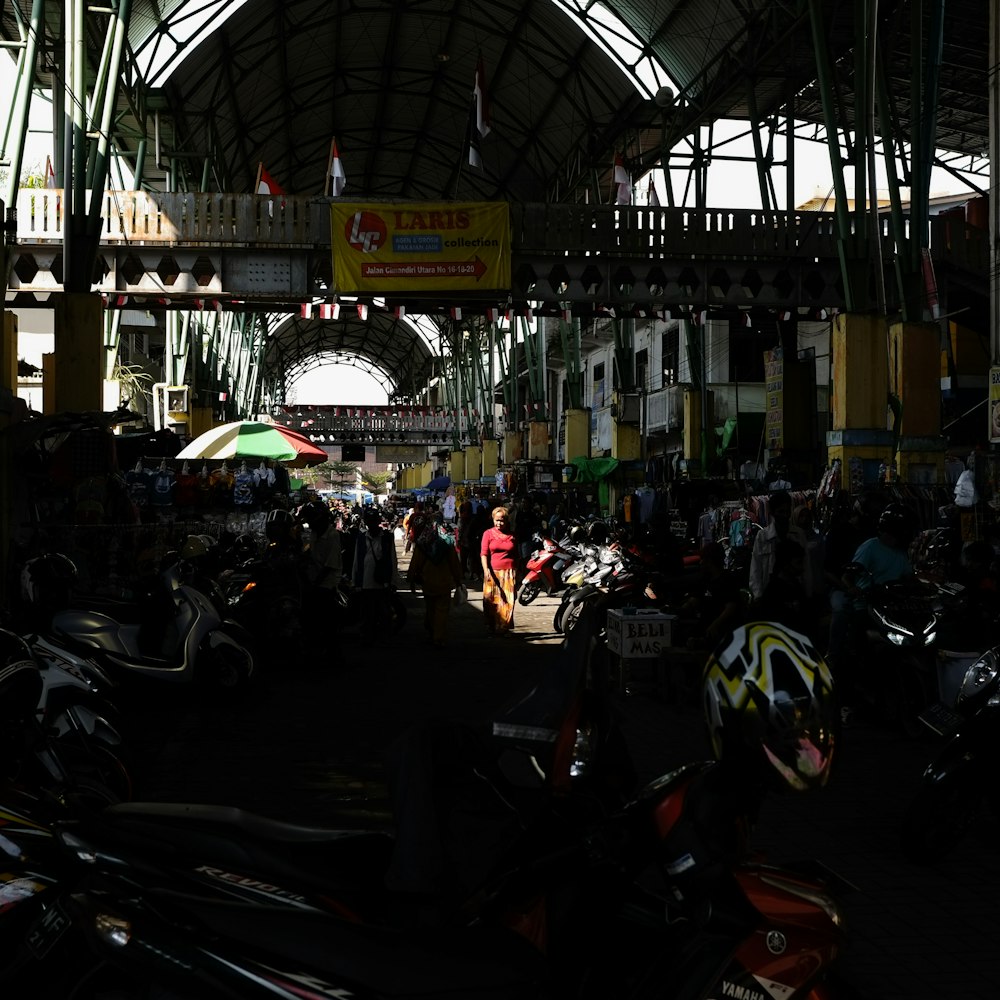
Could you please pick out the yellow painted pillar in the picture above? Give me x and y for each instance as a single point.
(626, 441)
(48, 384)
(473, 461)
(513, 443)
(538, 440)
(915, 378)
(427, 472)
(456, 465)
(8, 353)
(859, 402)
(692, 424)
(79, 350)
(577, 434)
(491, 456)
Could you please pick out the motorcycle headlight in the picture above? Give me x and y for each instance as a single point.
(982, 673)
(113, 929)
(897, 638)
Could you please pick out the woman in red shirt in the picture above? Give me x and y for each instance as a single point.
(499, 557)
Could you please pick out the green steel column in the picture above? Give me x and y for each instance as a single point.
(16, 126)
(824, 77)
(569, 334)
(624, 333)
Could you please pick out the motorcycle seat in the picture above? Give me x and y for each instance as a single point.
(231, 818)
(322, 859)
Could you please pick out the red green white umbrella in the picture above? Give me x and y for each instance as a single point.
(252, 440)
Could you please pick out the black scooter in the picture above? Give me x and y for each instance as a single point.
(959, 785)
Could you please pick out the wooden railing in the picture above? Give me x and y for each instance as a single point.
(266, 222)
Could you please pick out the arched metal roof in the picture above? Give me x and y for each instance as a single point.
(395, 351)
(273, 81)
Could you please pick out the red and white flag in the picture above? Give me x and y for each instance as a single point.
(336, 179)
(652, 198)
(482, 100)
(479, 117)
(306, 310)
(50, 174)
(622, 182)
(266, 184)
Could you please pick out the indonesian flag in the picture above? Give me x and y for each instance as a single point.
(306, 310)
(479, 116)
(337, 179)
(50, 174)
(482, 100)
(266, 184)
(472, 138)
(622, 182)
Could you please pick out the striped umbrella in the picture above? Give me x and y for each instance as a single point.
(249, 440)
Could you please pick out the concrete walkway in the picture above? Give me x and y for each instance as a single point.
(308, 745)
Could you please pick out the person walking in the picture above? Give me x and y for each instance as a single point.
(373, 572)
(322, 569)
(499, 558)
(435, 567)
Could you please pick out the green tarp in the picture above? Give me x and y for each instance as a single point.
(595, 470)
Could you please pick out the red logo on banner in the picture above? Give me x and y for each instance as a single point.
(365, 231)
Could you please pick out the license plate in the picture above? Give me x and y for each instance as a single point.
(47, 930)
(941, 719)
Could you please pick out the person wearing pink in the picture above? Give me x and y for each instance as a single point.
(499, 558)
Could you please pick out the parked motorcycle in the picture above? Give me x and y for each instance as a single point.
(959, 785)
(35, 751)
(895, 647)
(589, 901)
(172, 633)
(545, 567)
(631, 902)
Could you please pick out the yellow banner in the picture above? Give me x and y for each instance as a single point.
(397, 248)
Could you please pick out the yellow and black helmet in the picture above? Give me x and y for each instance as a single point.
(769, 694)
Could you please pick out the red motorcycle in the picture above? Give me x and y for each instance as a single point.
(545, 568)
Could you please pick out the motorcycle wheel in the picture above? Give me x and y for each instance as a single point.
(99, 777)
(529, 591)
(937, 819)
(572, 616)
(557, 620)
(226, 665)
(906, 699)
